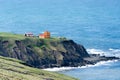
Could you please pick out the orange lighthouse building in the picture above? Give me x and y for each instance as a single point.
(46, 34)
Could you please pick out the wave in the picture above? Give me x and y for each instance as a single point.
(96, 51)
(101, 63)
(109, 52)
(60, 68)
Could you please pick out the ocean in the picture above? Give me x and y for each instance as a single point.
(92, 23)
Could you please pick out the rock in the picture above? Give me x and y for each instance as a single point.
(94, 58)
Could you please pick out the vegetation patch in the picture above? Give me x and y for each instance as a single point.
(12, 69)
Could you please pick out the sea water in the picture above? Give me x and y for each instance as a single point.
(92, 23)
(106, 71)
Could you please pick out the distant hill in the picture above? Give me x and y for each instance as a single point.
(12, 69)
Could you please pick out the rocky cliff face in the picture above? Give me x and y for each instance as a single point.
(44, 53)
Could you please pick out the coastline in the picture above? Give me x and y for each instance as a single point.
(58, 69)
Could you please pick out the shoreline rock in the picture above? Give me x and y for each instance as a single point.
(95, 58)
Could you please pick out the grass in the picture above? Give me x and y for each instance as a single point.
(12, 69)
(21, 37)
(10, 35)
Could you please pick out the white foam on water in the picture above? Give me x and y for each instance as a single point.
(101, 63)
(115, 52)
(109, 52)
(60, 68)
(96, 51)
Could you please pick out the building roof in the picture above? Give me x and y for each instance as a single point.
(41, 35)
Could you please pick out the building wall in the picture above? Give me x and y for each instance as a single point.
(46, 34)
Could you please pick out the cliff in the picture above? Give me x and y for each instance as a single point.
(45, 53)
(42, 53)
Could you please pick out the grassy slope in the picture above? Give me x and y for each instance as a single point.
(12, 69)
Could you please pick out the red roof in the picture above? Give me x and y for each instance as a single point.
(41, 34)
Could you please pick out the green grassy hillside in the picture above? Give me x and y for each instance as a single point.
(10, 35)
(12, 69)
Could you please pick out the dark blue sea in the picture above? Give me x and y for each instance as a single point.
(92, 23)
